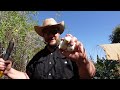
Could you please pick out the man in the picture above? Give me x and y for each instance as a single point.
(52, 62)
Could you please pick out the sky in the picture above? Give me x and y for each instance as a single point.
(92, 28)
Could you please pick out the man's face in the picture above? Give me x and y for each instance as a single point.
(51, 36)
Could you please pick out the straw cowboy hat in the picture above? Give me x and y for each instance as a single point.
(50, 22)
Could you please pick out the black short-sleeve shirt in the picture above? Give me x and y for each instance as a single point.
(47, 65)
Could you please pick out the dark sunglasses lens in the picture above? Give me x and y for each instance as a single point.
(54, 32)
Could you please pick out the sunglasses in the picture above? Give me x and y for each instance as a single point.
(52, 31)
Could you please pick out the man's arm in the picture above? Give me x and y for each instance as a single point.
(15, 74)
(86, 69)
(5, 66)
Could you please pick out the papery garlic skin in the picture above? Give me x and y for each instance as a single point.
(71, 47)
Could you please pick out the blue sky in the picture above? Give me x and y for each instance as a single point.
(92, 28)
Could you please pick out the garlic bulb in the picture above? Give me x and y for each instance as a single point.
(62, 45)
(65, 44)
(71, 47)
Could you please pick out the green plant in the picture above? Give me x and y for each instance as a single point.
(107, 69)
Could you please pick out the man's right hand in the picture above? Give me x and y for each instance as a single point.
(5, 66)
(6, 69)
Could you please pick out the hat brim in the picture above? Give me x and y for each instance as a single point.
(39, 29)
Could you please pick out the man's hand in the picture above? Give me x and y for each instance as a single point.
(85, 67)
(8, 64)
(5, 66)
(78, 54)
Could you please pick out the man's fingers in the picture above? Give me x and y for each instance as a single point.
(2, 66)
(8, 66)
(8, 62)
(64, 52)
(69, 35)
(1, 60)
(73, 40)
(79, 46)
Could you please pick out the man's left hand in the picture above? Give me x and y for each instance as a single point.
(78, 54)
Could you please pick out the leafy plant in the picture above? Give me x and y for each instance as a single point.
(19, 25)
(107, 69)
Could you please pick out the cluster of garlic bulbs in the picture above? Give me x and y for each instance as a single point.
(65, 44)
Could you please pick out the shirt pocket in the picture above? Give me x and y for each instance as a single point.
(65, 67)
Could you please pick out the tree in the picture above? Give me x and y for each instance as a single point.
(115, 36)
(18, 25)
(107, 69)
